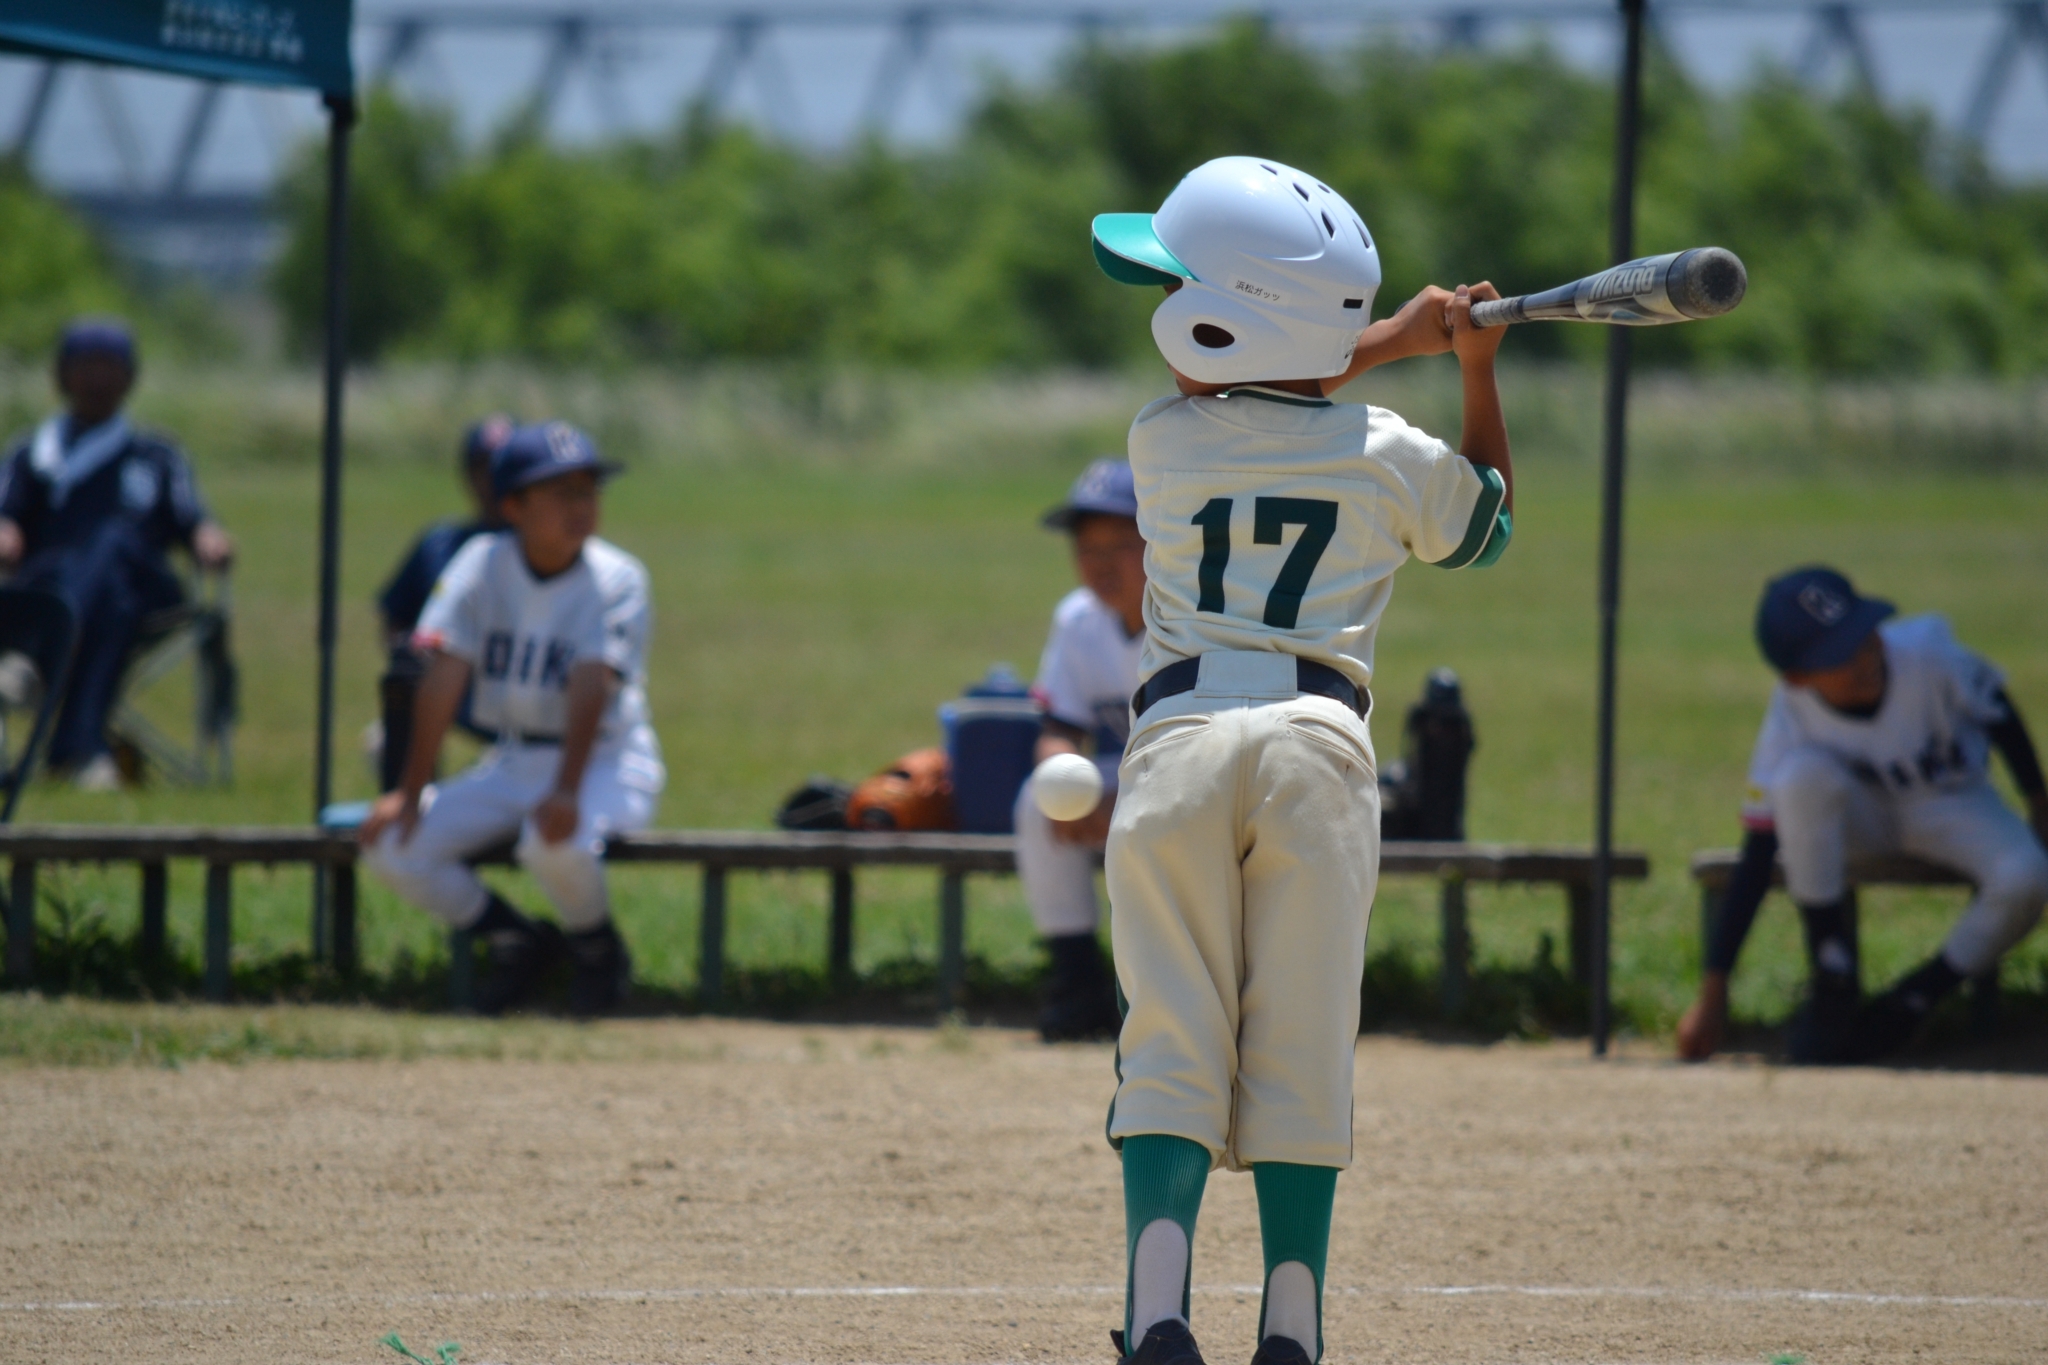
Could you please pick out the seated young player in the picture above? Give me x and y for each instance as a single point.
(1085, 680)
(1244, 849)
(551, 622)
(1877, 740)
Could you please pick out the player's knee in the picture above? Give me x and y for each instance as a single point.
(395, 862)
(579, 854)
(2020, 883)
(1811, 776)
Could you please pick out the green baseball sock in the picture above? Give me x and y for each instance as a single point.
(1163, 1179)
(1294, 1225)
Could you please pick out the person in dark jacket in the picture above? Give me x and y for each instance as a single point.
(412, 583)
(90, 508)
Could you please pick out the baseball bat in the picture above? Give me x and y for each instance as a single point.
(1704, 282)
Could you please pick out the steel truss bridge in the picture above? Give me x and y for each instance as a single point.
(588, 47)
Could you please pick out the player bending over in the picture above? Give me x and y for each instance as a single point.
(1877, 740)
(1085, 680)
(1245, 846)
(553, 623)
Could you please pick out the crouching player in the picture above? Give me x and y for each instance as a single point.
(552, 623)
(1244, 850)
(1085, 681)
(1877, 740)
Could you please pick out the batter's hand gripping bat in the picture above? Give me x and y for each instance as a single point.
(1702, 283)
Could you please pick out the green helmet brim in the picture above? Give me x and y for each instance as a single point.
(1130, 252)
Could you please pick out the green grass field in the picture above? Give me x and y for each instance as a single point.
(833, 556)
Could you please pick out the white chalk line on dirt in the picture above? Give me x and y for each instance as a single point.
(1710, 1295)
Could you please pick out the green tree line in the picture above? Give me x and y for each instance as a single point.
(1874, 245)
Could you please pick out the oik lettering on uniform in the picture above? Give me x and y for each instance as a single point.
(508, 658)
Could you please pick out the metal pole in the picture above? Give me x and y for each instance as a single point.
(341, 117)
(1613, 461)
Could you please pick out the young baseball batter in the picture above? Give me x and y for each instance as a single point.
(1244, 850)
(1085, 680)
(1877, 740)
(552, 623)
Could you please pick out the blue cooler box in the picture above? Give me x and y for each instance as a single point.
(991, 734)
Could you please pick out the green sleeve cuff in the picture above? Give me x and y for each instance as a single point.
(1486, 535)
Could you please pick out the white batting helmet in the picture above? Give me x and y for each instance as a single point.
(1278, 271)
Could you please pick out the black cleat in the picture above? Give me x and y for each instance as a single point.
(1279, 1350)
(1167, 1342)
(1820, 1030)
(1886, 1025)
(601, 972)
(1080, 993)
(519, 959)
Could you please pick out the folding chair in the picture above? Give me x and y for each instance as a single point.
(38, 626)
(195, 629)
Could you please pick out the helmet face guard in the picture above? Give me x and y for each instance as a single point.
(1277, 272)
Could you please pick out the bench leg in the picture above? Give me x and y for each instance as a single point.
(711, 940)
(341, 917)
(1579, 901)
(219, 928)
(1456, 946)
(839, 956)
(320, 932)
(461, 970)
(155, 905)
(952, 937)
(21, 924)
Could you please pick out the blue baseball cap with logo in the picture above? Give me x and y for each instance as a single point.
(1104, 489)
(546, 450)
(1812, 619)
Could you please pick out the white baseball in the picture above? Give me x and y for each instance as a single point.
(1066, 786)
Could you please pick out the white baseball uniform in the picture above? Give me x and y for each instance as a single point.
(1085, 679)
(521, 635)
(1245, 849)
(1913, 778)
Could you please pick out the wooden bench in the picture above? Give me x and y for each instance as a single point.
(1713, 867)
(333, 853)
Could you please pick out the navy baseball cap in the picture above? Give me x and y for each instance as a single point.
(546, 450)
(96, 336)
(1812, 619)
(1104, 489)
(484, 438)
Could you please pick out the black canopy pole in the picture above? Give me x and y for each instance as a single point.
(341, 113)
(1614, 458)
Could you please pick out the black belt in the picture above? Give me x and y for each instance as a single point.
(1316, 679)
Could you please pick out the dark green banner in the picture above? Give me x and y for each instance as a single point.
(296, 42)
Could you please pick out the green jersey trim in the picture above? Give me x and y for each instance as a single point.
(1292, 400)
(1487, 534)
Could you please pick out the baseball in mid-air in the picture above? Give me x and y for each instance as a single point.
(1066, 786)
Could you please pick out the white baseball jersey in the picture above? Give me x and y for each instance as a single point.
(1088, 672)
(522, 634)
(1927, 736)
(1275, 522)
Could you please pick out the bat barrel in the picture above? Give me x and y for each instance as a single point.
(1706, 282)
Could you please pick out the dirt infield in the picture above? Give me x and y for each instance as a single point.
(769, 1194)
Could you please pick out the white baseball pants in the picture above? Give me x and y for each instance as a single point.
(1826, 816)
(492, 801)
(1242, 863)
(1059, 879)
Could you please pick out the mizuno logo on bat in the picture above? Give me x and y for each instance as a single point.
(1626, 283)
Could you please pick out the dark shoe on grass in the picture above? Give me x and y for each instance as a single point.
(601, 972)
(1820, 1029)
(519, 959)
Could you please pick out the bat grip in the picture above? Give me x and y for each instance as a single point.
(1497, 312)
